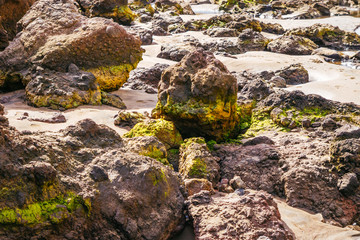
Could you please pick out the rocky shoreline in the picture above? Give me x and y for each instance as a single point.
(208, 129)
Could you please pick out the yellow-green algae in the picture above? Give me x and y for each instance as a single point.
(54, 210)
(156, 153)
(159, 180)
(111, 78)
(92, 97)
(164, 130)
(220, 116)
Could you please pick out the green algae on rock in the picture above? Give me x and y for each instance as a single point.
(199, 96)
(148, 146)
(196, 160)
(164, 130)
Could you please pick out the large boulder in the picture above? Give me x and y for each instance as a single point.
(83, 183)
(199, 96)
(253, 215)
(294, 74)
(54, 35)
(292, 45)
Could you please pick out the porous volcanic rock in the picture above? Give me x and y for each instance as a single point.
(54, 35)
(253, 215)
(82, 182)
(199, 96)
(196, 161)
(292, 45)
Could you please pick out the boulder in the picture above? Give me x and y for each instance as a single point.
(54, 35)
(292, 45)
(221, 32)
(148, 146)
(196, 161)
(253, 215)
(82, 183)
(196, 185)
(249, 40)
(63, 90)
(326, 35)
(175, 52)
(164, 130)
(256, 165)
(146, 78)
(199, 96)
(294, 74)
(348, 184)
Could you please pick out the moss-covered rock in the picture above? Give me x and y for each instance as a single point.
(327, 35)
(115, 9)
(148, 146)
(164, 130)
(199, 96)
(196, 160)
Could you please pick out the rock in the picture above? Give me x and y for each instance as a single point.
(128, 119)
(145, 34)
(292, 45)
(356, 56)
(258, 140)
(221, 32)
(70, 38)
(140, 78)
(278, 81)
(98, 174)
(249, 40)
(256, 165)
(326, 35)
(56, 118)
(115, 9)
(274, 28)
(345, 155)
(112, 100)
(164, 130)
(329, 53)
(196, 161)
(11, 12)
(348, 184)
(174, 52)
(63, 90)
(196, 185)
(222, 46)
(249, 216)
(294, 74)
(148, 146)
(82, 182)
(199, 96)
(237, 183)
(256, 89)
(322, 8)
(329, 124)
(315, 188)
(347, 131)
